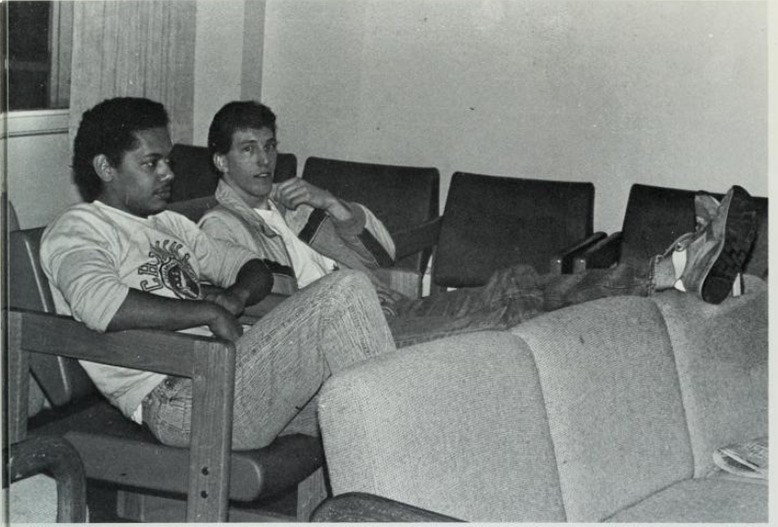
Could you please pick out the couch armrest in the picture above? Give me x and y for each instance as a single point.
(364, 507)
(601, 255)
(209, 362)
(563, 261)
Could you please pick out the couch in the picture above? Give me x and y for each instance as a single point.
(604, 411)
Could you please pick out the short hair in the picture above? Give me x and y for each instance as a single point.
(110, 128)
(234, 116)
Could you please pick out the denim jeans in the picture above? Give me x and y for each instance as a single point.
(282, 361)
(512, 296)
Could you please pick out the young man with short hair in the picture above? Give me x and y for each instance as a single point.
(302, 232)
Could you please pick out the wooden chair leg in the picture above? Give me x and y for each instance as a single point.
(310, 493)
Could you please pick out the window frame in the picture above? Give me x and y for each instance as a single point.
(23, 123)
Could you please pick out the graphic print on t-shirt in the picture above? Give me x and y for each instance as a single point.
(170, 269)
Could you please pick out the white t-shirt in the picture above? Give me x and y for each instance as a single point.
(93, 254)
(309, 265)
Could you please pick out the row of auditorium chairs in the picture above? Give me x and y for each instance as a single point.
(489, 222)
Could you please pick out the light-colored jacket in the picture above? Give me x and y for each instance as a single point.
(362, 243)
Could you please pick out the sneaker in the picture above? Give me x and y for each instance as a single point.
(705, 209)
(715, 254)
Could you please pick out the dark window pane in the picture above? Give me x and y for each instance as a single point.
(34, 29)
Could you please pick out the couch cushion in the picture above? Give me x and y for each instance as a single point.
(702, 500)
(721, 355)
(613, 403)
(456, 426)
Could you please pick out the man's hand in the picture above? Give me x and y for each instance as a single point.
(224, 298)
(295, 191)
(141, 310)
(224, 325)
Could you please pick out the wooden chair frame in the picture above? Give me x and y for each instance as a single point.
(58, 457)
(209, 362)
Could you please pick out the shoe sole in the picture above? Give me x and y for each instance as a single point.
(739, 234)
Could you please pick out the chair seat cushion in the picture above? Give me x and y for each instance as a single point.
(117, 450)
(702, 500)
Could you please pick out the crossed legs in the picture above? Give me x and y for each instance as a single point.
(282, 361)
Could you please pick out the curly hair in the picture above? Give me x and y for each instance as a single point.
(110, 128)
(234, 116)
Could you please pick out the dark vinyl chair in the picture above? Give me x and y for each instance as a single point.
(493, 222)
(196, 176)
(205, 482)
(654, 218)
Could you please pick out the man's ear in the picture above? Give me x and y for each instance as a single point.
(220, 162)
(103, 167)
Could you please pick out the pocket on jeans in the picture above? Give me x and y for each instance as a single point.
(169, 388)
(166, 411)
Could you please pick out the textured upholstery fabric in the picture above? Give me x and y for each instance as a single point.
(721, 354)
(475, 447)
(613, 403)
(493, 222)
(637, 394)
(701, 500)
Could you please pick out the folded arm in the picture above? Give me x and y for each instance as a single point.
(146, 311)
(218, 311)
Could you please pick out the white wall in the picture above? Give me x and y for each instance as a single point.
(36, 164)
(38, 177)
(228, 57)
(669, 93)
(659, 92)
(218, 60)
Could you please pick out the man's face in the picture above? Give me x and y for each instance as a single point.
(250, 164)
(141, 183)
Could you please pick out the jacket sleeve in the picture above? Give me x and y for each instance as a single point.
(225, 227)
(364, 234)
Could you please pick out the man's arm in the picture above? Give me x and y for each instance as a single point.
(354, 224)
(295, 191)
(218, 311)
(253, 283)
(142, 310)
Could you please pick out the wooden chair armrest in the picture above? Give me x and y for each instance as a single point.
(564, 261)
(601, 255)
(209, 362)
(417, 238)
(364, 507)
